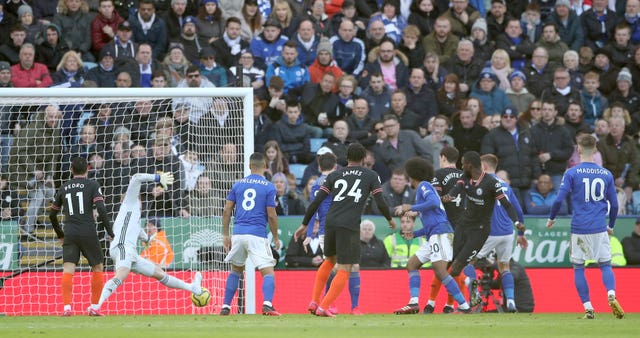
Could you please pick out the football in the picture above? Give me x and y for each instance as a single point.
(202, 299)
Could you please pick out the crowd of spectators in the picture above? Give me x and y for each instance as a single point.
(404, 78)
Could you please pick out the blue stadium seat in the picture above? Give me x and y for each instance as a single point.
(298, 171)
(316, 143)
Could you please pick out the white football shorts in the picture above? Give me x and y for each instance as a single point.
(438, 248)
(590, 247)
(503, 246)
(128, 257)
(254, 247)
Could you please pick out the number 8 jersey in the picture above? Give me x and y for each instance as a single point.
(252, 195)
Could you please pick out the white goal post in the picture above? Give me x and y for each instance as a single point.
(216, 118)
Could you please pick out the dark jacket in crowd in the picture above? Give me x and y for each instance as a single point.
(374, 254)
(517, 159)
(298, 256)
(592, 26)
(631, 247)
(554, 139)
(562, 101)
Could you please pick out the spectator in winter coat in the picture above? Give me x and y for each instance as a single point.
(288, 67)
(348, 51)
(74, 20)
(593, 101)
(631, 245)
(511, 142)
(267, 46)
(494, 100)
(324, 62)
(539, 72)
(373, 253)
(540, 198)
(148, 27)
(562, 92)
(293, 137)
(28, 73)
(104, 25)
(598, 23)
(519, 95)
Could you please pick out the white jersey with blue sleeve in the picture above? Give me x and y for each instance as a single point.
(501, 223)
(252, 195)
(593, 193)
(432, 213)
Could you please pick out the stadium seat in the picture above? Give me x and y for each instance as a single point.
(316, 143)
(298, 171)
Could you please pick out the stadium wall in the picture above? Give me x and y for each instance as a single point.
(381, 292)
(547, 248)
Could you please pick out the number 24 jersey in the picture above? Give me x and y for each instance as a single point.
(349, 189)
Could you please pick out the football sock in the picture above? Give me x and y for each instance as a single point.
(338, 284)
(435, 288)
(97, 280)
(232, 285)
(174, 283)
(354, 288)
(581, 282)
(67, 288)
(453, 289)
(508, 284)
(470, 271)
(329, 280)
(321, 279)
(268, 287)
(414, 283)
(587, 306)
(608, 278)
(460, 280)
(111, 286)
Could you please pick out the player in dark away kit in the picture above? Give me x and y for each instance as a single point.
(349, 188)
(77, 197)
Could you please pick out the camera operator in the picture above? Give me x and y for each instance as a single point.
(491, 280)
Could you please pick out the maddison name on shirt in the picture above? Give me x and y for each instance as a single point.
(599, 171)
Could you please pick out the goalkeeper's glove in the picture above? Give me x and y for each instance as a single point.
(166, 179)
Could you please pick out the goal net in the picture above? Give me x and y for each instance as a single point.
(203, 136)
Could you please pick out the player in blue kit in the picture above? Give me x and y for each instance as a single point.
(436, 228)
(254, 200)
(327, 165)
(593, 195)
(501, 235)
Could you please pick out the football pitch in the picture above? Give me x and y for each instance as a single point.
(306, 326)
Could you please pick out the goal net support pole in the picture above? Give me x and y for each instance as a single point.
(227, 116)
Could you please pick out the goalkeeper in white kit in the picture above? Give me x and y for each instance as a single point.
(127, 230)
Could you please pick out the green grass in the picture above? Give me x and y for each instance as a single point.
(306, 326)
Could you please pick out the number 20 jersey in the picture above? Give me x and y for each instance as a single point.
(252, 195)
(349, 187)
